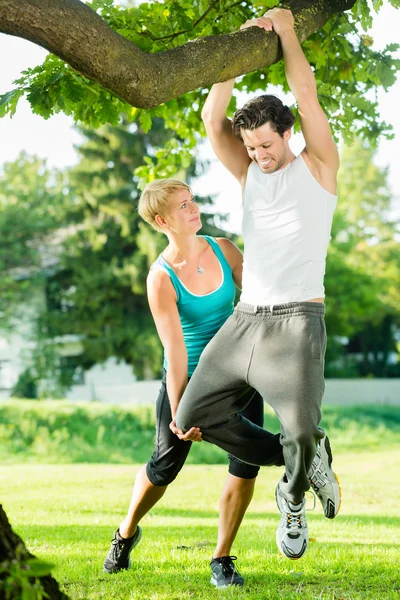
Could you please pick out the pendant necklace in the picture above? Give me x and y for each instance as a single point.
(199, 268)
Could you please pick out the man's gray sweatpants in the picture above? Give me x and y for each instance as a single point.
(279, 351)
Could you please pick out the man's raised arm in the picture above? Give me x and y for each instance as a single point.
(229, 150)
(320, 146)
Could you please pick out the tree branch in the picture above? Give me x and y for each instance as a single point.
(75, 33)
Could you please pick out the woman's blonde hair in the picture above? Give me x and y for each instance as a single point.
(156, 199)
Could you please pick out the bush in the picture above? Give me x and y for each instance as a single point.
(65, 432)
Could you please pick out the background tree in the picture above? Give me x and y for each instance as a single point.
(363, 272)
(77, 239)
(31, 209)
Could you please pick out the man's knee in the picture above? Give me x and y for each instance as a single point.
(186, 418)
(302, 437)
(185, 422)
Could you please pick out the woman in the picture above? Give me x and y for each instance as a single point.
(191, 289)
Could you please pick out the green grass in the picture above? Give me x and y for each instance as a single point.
(67, 514)
(65, 432)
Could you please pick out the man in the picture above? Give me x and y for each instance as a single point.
(275, 340)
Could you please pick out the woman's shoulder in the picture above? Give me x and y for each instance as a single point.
(230, 251)
(159, 272)
(226, 244)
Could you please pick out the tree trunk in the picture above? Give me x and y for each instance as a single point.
(75, 33)
(13, 550)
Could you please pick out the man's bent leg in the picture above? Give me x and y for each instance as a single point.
(288, 370)
(218, 391)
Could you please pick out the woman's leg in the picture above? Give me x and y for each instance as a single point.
(150, 485)
(240, 484)
(153, 479)
(234, 501)
(144, 496)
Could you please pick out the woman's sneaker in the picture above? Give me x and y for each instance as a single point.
(118, 554)
(292, 532)
(324, 481)
(224, 572)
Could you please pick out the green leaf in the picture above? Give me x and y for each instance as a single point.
(9, 101)
(145, 120)
(377, 4)
(385, 74)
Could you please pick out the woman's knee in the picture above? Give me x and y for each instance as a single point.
(162, 476)
(241, 469)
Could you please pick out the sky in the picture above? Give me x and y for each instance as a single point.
(54, 139)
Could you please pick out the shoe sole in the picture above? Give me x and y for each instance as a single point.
(326, 454)
(224, 587)
(294, 557)
(135, 543)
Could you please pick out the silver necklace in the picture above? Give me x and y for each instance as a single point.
(199, 268)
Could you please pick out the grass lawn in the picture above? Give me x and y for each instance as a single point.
(67, 514)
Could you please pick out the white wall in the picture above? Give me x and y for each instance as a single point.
(338, 391)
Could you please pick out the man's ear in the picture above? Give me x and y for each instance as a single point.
(287, 135)
(161, 222)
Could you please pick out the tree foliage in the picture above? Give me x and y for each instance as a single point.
(88, 256)
(31, 209)
(363, 270)
(347, 68)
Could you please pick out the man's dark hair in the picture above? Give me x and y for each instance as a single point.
(261, 110)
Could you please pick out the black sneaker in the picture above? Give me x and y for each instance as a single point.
(224, 572)
(118, 554)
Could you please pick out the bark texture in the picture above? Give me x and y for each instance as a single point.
(12, 548)
(75, 33)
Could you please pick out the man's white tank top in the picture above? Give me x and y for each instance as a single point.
(287, 220)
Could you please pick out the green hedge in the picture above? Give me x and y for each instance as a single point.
(65, 432)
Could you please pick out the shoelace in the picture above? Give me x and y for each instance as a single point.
(314, 497)
(292, 519)
(295, 520)
(228, 568)
(117, 548)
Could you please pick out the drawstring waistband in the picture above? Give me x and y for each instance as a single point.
(281, 310)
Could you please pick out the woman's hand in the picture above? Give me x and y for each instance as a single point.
(193, 435)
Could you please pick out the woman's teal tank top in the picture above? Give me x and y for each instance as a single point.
(201, 316)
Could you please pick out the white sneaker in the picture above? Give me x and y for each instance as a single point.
(292, 532)
(324, 481)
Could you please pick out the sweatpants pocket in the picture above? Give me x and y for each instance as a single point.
(318, 338)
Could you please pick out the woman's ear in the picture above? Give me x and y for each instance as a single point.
(161, 222)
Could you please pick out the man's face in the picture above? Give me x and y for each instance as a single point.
(267, 148)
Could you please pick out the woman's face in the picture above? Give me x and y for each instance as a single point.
(184, 214)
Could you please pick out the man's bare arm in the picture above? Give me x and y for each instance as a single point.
(229, 150)
(320, 146)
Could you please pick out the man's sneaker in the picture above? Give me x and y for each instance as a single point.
(324, 481)
(118, 554)
(224, 572)
(292, 532)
